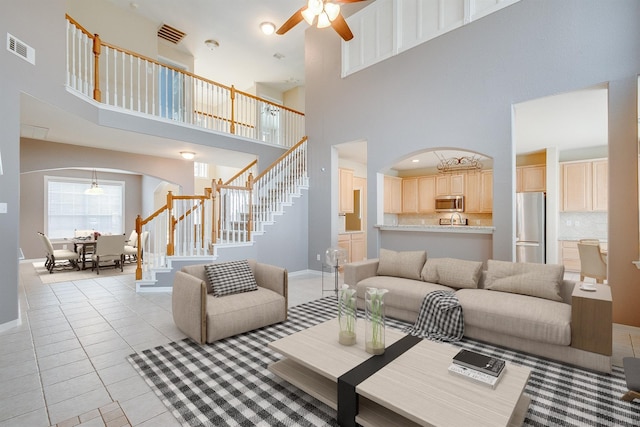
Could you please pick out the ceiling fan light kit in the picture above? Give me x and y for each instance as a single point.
(327, 13)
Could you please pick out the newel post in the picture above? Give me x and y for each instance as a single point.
(233, 109)
(139, 258)
(250, 220)
(171, 223)
(97, 95)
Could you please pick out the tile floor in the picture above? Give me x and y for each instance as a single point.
(66, 363)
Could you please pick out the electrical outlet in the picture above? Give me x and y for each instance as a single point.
(64, 246)
(317, 257)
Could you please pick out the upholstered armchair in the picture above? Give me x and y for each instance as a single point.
(204, 317)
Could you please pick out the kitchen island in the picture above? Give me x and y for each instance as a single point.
(469, 242)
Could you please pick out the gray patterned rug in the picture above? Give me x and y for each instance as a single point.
(228, 384)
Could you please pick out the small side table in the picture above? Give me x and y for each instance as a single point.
(592, 319)
(326, 268)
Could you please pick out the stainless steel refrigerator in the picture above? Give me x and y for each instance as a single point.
(530, 227)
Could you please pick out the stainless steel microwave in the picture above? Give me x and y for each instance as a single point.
(450, 204)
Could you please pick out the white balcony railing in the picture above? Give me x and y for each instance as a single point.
(120, 78)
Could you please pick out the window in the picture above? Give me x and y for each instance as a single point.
(201, 170)
(68, 208)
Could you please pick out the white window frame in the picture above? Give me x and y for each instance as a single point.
(87, 184)
(200, 170)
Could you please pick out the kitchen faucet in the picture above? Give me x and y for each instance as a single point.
(459, 218)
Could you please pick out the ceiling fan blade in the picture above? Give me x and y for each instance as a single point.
(341, 27)
(291, 22)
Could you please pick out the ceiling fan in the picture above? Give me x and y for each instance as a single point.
(325, 12)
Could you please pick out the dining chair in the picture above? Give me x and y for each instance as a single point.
(108, 249)
(592, 262)
(131, 250)
(58, 256)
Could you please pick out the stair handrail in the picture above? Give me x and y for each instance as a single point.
(279, 159)
(237, 178)
(219, 206)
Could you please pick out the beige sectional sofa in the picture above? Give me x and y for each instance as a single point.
(207, 318)
(521, 306)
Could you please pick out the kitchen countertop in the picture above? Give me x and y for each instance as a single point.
(475, 229)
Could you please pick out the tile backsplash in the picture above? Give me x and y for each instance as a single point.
(582, 225)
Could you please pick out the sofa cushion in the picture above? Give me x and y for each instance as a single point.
(407, 264)
(537, 280)
(522, 316)
(403, 294)
(457, 273)
(232, 277)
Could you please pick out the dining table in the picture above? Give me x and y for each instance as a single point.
(83, 246)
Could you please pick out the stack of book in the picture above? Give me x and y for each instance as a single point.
(477, 367)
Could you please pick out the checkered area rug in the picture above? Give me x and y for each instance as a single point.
(228, 384)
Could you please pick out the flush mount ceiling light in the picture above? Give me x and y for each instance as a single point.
(211, 44)
(188, 155)
(268, 28)
(94, 189)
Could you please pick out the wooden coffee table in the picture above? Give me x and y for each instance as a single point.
(413, 389)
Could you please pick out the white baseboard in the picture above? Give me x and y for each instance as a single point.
(11, 324)
(152, 289)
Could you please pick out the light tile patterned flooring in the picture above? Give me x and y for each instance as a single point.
(66, 363)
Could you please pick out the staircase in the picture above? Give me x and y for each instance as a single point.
(194, 229)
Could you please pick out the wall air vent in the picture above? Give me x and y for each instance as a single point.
(170, 34)
(21, 49)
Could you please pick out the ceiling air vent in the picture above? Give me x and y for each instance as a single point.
(21, 49)
(170, 34)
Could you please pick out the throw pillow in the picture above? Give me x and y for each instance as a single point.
(536, 280)
(407, 264)
(231, 277)
(457, 273)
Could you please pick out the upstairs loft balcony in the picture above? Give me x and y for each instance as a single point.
(119, 78)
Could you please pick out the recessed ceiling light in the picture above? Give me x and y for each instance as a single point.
(415, 160)
(187, 155)
(211, 44)
(268, 28)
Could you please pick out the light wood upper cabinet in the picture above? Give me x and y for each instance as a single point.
(585, 186)
(392, 194)
(600, 171)
(345, 204)
(427, 194)
(410, 195)
(450, 185)
(486, 201)
(478, 194)
(531, 178)
(473, 193)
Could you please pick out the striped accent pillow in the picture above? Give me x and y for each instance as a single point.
(231, 277)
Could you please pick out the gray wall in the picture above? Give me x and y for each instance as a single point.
(458, 90)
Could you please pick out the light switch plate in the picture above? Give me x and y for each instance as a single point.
(3, 208)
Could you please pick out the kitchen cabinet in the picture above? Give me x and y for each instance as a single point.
(392, 194)
(450, 185)
(479, 192)
(486, 201)
(584, 186)
(410, 196)
(531, 178)
(600, 171)
(358, 247)
(354, 244)
(427, 194)
(345, 179)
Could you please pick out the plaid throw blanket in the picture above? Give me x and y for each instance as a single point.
(440, 318)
